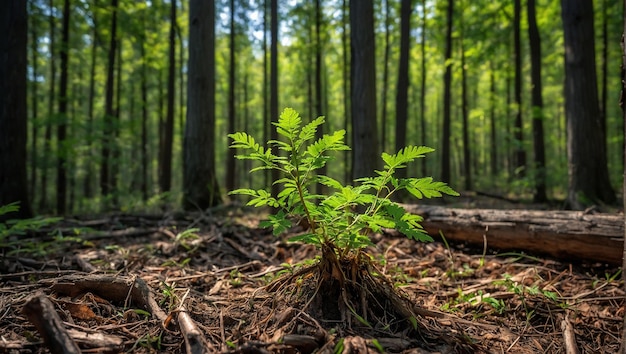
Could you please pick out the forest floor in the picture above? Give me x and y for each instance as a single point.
(141, 283)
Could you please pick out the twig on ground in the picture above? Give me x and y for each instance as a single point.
(42, 315)
(569, 337)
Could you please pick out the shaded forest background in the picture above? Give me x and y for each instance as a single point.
(107, 92)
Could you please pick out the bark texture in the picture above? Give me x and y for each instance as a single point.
(200, 186)
(13, 40)
(569, 235)
(447, 82)
(587, 161)
(537, 105)
(363, 80)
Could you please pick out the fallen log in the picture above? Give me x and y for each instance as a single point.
(565, 235)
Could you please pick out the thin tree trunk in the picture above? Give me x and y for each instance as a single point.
(447, 82)
(88, 188)
(537, 108)
(230, 153)
(144, 121)
(623, 106)
(319, 99)
(267, 120)
(133, 169)
(116, 119)
(507, 128)
(247, 164)
(274, 81)
(62, 151)
(423, 86)
(71, 162)
(402, 91)
(518, 133)
(604, 64)
(467, 162)
(383, 101)
(181, 76)
(492, 121)
(34, 40)
(165, 165)
(347, 110)
(161, 124)
(107, 130)
(310, 70)
(43, 207)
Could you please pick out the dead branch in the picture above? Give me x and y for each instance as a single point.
(108, 287)
(194, 339)
(41, 313)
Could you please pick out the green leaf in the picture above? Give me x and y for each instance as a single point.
(9, 208)
(242, 140)
(404, 156)
(306, 238)
(288, 124)
(244, 191)
(333, 142)
(426, 187)
(309, 130)
(329, 182)
(278, 222)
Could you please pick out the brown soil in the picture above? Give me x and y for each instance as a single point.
(130, 285)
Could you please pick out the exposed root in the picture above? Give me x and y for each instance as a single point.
(350, 296)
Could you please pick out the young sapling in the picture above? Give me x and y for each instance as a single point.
(341, 222)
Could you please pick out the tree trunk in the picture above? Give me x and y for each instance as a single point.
(247, 121)
(385, 88)
(603, 83)
(89, 166)
(537, 105)
(71, 161)
(319, 99)
(181, 76)
(402, 91)
(116, 130)
(507, 128)
(144, 120)
(230, 153)
(623, 106)
(108, 106)
(519, 157)
(309, 68)
(568, 235)
(587, 161)
(467, 163)
(267, 120)
(346, 88)
(165, 164)
(492, 122)
(423, 87)
(366, 151)
(34, 41)
(447, 82)
(200, 187)
(43, 201)
(62, 150)
(275, 174)
(13, 115)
